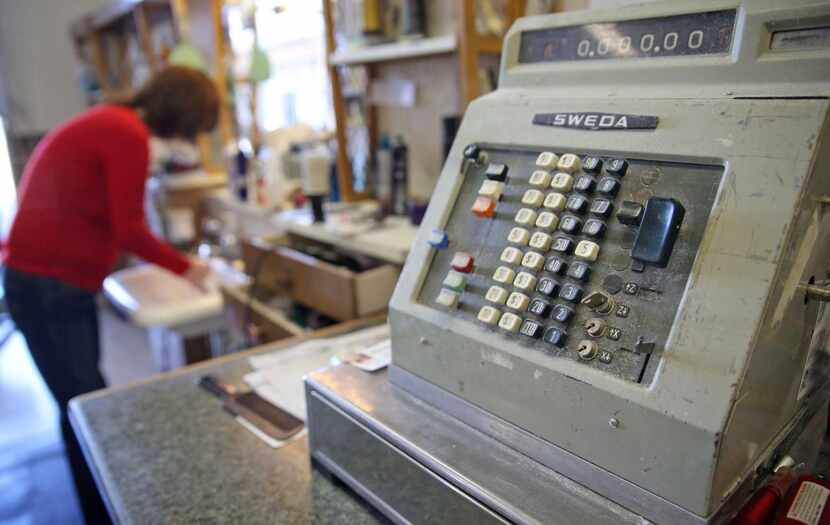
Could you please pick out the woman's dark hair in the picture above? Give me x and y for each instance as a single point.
(177, 102)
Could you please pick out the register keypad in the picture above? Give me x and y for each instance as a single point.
(553, 233)
(555, 197)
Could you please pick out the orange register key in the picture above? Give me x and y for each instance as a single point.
(484, 207)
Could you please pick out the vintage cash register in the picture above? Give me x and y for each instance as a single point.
(613, 312)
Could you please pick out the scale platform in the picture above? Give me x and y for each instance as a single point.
(418, 464)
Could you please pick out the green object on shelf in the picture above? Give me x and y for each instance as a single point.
(260, 66)
(188, 55)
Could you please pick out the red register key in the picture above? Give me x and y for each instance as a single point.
(462, 262)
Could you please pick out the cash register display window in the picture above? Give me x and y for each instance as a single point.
(683, 35)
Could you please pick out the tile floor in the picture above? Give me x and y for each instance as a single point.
(35, 483)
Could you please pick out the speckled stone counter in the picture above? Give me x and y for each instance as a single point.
(164, 451)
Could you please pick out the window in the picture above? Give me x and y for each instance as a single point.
(291, 33)
(8, 194)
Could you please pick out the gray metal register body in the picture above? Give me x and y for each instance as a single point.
(742, 144)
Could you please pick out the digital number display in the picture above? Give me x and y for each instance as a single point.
(681, 35)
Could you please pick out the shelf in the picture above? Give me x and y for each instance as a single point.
(109, 15)
(402, 50)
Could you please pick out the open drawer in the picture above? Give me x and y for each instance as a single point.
(333, 290)
(271, 324)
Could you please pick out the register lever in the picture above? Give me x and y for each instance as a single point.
(658, 230)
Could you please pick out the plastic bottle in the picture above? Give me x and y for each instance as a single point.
(238, 162)
(413, 19)
(371, 17)
(400, 176)
(383, 173)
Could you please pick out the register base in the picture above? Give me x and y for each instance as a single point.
(418, 464)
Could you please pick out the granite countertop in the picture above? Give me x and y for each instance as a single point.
(164, 451)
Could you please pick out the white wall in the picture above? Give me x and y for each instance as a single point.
(38, 74)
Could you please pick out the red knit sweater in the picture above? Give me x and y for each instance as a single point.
(82, 201)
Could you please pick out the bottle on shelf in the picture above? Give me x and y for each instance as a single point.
(372, 25)
(383, 173)
(413, 19)
(400, 176)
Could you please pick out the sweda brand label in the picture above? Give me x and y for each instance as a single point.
(596, 121)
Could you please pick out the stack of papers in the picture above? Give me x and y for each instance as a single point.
(278, 376)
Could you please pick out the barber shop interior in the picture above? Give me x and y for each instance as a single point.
(368, 262)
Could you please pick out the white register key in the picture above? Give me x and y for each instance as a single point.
(540, 178)
(510, 322)
(496, 294)
(489, 315)
(448, 298)
(518, 236)
(547, 221)
(547, 159)
(511, 255)
(503, 275)
(518, 301)
(562, 181)
(533, 198)
(526, 217)
(540, 241)
(555, 201)
(533, 260)
(569, 163)
(587, 251)
(524, 281)
(492, 189)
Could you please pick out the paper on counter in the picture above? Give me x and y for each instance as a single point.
(353, 341)
(278, 376)
(373, 358)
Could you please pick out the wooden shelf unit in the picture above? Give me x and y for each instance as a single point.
(114, 24)
(466, 43)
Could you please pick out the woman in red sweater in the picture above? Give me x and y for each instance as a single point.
(81, 205)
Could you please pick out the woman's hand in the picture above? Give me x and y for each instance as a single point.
(198, 274)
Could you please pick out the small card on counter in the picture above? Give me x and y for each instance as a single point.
(372, 359)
